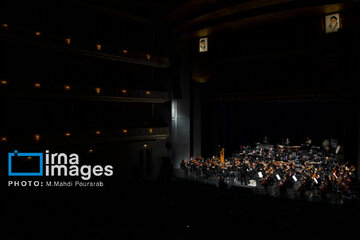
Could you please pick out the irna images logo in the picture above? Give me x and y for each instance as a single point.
(53, 164)
(25, 164)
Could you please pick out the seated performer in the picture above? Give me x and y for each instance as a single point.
(307, 144)
(286, 142)
(326, 145)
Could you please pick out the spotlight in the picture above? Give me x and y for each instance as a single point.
(67, 87)
(124, 130)
(3, 82)
(98, 90)
(98, 46)
(91, 151)
(3, 139)
(67, 134)
(37, 85)
(124, 91)
(68, 41)
(37, 137)
(37, 33)
(147, 92)
(145, 145)
(148, 57)
(98, 132)
(125, 51)
(4, 25)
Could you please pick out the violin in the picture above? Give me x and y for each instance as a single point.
(323, 187)
(315, 173)
(344, 186)
(283, 181)
(264, 181)
(303, 182)
(284, 178)
(267, 177)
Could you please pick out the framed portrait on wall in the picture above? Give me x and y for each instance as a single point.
(203, 44)
(332, 22)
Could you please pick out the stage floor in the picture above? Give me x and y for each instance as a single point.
(273, 191)
(172, 208)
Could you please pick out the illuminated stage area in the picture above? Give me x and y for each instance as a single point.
(307, 172)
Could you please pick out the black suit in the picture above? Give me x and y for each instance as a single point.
(244, 174)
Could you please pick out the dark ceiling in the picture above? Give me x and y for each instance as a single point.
(189, 18)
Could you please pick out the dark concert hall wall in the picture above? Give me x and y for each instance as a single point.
(235, 124)
(284, 79)
(59, 91)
